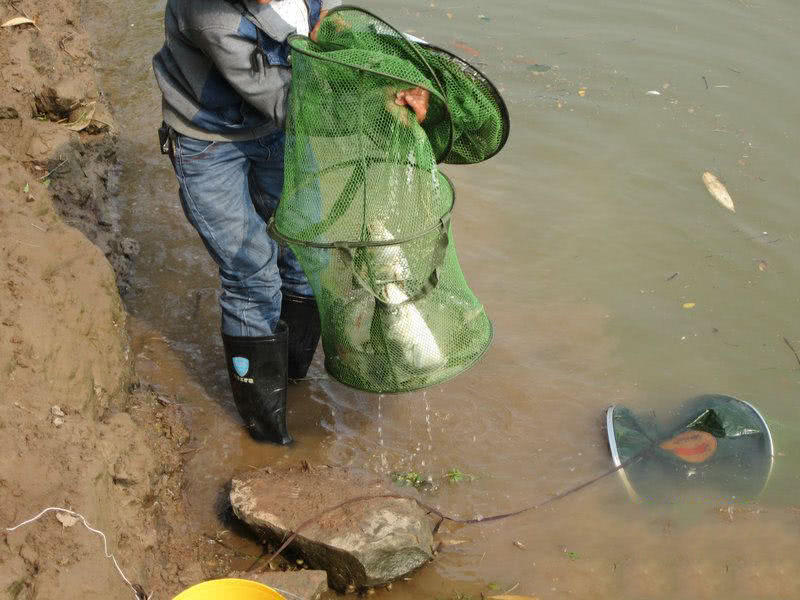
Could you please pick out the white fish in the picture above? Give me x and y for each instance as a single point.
(358, 313)
(718, 191)
(403, 323)
(387, 263)
(405, 326)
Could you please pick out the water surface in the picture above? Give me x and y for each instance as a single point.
(585, 238)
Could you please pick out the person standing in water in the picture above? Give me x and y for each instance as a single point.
(224, 73)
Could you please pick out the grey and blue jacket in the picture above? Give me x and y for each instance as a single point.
(224, 68)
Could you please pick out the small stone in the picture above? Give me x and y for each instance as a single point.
(129, 247)
(56, 411)
(8, 112)
(190, 574)
(301, 585)
(58, 421)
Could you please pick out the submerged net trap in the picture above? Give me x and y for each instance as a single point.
(366, 209)
(714, 449)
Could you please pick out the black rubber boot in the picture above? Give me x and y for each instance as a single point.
(301, 315)
(257, 370)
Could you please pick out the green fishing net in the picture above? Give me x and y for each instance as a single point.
(713, 449)
(366, 209)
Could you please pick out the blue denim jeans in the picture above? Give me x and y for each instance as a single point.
(229, 190)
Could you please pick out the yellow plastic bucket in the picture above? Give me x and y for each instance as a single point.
(229, 589)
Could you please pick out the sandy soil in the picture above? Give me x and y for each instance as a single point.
(77, 430)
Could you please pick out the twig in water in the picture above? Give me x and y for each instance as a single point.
(160, 398)
(62, 43)
(56, 168)
(258, 560)
(705, 81)
(788, 343)
(511, 589)
(309, 378)
(230, 548)
(195, 449)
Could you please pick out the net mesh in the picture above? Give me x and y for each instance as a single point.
(730, 459)
(366, 209)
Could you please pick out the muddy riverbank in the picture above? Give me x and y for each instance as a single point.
(77, 428)
(80, 427)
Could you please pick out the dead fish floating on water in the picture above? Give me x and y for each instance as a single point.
(718, 191)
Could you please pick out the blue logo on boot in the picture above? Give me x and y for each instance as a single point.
(241, 365)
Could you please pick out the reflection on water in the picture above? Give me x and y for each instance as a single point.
(610, 274)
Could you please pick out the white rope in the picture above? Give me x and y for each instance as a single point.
(136, 593)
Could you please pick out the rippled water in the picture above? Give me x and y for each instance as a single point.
(584, 239)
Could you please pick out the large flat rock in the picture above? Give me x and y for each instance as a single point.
(295, 585)
(363, 544)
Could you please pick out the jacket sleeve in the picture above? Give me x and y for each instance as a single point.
(263, 86)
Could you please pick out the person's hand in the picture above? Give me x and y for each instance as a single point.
(315, 31)
(416, 99)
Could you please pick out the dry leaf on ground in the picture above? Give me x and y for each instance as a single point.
(66, 519)
(81, 117)
(18, 21)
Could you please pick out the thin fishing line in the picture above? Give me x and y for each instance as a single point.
(444, 517)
